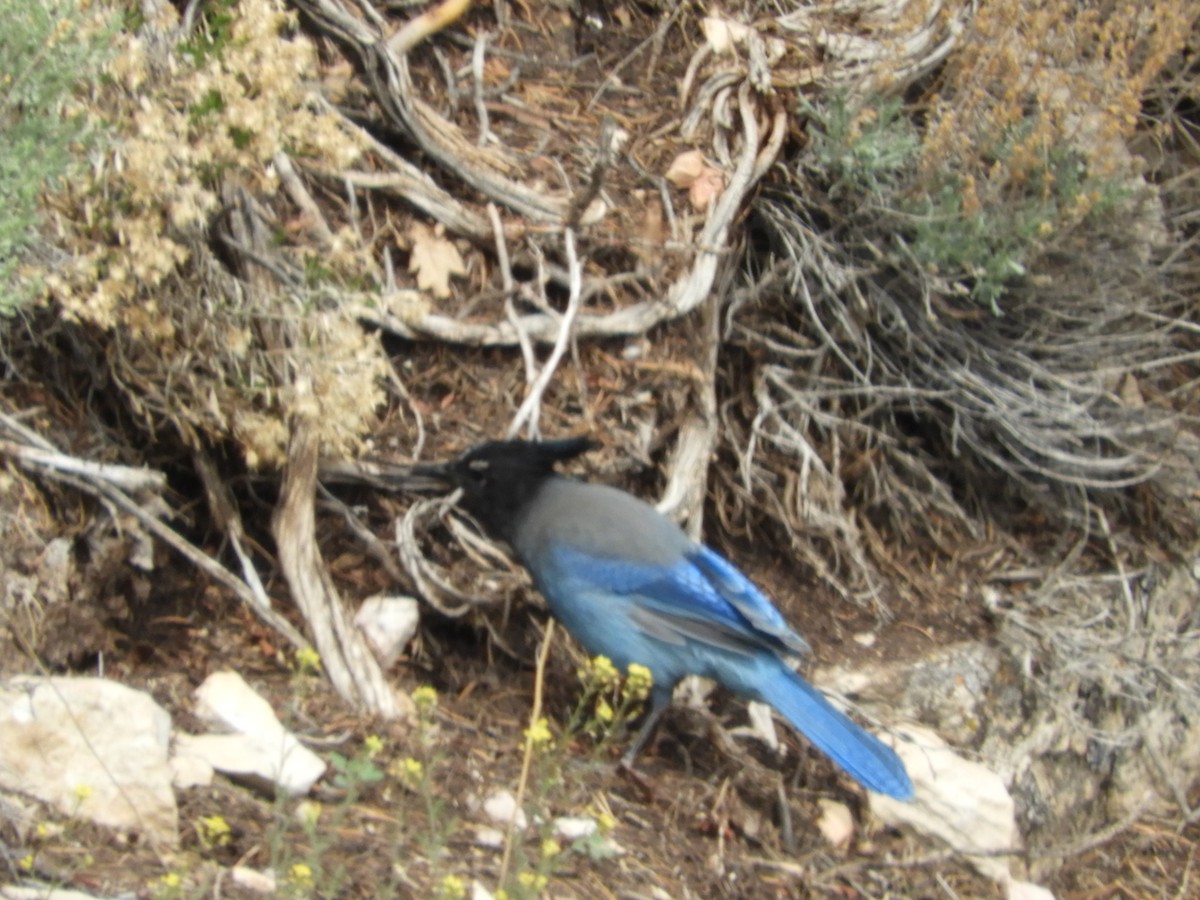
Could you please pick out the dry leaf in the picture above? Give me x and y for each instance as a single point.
(723, 34)
(434, 259)
(686, 168)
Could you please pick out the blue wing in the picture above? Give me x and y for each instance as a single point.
(701, 596)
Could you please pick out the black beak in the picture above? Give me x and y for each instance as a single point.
(428, 477)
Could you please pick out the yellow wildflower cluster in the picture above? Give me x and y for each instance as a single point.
(214, 831)
(300, 876)
(407, 771)
(599, 673)
(539, 733)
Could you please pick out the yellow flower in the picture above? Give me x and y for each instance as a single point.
(600, 672)
(637, 686)
(83, 792)
(408, 771)
(373, 745)
(425, 697)
(170, 880)
(604, 712)
(308, 660)
(539, 732)
(300, 874)
(214, 830)
(533, 881)
(26, 863)
(605, 822)
(551, 847)
(452, 888)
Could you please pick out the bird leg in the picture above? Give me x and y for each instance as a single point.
(659, 701)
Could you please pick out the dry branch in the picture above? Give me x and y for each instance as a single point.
(110, 483)
(680, 299)
(344, 652)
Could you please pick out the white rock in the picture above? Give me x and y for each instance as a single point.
(388, 624)
(489, 837)
(573, 828)
(94, 749)
(259, 748)
(1024, 890)
(253, 880)
(479, 892)
(226, 699)
(502, 807)
(961, 802)
(190, 771)
(280, 761)
(42, 893)
(836, 822)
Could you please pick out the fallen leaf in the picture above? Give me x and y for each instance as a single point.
(433, 259)
(723, 34)
(686, 168)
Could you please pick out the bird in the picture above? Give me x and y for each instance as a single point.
(629, 584)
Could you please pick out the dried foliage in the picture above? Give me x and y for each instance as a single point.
(976, 302)
(208, 118)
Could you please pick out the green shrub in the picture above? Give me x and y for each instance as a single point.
(47, 49)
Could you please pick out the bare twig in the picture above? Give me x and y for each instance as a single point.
(125, 478)
(528, 411)
(535, 714)
(427, 23)
(303, 199)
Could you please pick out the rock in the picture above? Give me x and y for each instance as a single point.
(388, 624)
(573, 828)
(260, 749)
(12, 892)
(956, 800)
(836, 823)
(189, 771)
(502, 808)
(489, 837)
(253, 880)
(762, 725)
(1024, 890)
(93, 749)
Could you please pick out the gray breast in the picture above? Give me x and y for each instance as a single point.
(599, 520)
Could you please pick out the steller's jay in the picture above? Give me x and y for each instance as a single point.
(630, 585)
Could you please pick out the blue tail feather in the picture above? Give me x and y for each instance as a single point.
(860, 753)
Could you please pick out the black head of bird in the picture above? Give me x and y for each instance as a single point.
(499, 478)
